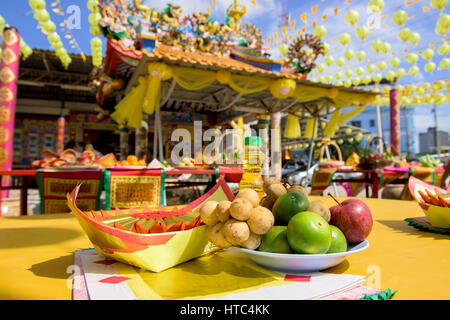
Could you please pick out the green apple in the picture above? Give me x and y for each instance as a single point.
(275, 241)
(338, 241)
(309, 233)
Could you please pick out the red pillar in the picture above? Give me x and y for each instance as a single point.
(395, 122)
(9, 73)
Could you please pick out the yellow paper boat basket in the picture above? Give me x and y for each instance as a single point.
(434, 201)
(150, 239)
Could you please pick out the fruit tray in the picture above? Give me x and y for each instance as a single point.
(434, 201)
(150, 239)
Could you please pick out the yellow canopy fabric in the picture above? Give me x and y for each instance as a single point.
(146, 96)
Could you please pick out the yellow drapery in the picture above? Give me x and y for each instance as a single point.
(338, 119)
(129, 109)
(311, 128)
(146, 96)
(292, 129)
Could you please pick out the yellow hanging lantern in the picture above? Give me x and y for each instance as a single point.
(340, 141)
(414, 38)
(430, 66)
(320, 68)
(426, 86)
(390, 76)
(385, 47)
(338, 76)
(362, 33)
(344, 39)
(445, 63)
(340, 62)
(377, 78)
(439, 99)
(360, 55)
(376, 46)
(348, 131)
(48, 27)
(376, 6)
(329, 60)
(339, 83)
(405, 101)
(359, 71)
(356, 81)
(400, 17)
(284, 49)
(348, 73)
(37, 4)
(414, 70)
(395, 62)
(42, 16)
(349, 54)
(352, 17)
(412, 58)
(329, 78)
(404, 34)
(326, 47)
(444, 49)
(283, 88)
(381, 65)
(439, 4)
(347, 83)
(443, 25)
(358, 137)
(400, 73)
(370, 68)
(428, 54)
(320, 31)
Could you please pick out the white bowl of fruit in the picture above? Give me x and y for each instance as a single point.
(285, 231)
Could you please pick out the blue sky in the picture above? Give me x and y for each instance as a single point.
(265, 15)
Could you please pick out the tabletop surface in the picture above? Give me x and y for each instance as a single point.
(37, 252)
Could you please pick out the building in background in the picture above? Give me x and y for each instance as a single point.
(367, 120)
(46, 92)
(427, 140)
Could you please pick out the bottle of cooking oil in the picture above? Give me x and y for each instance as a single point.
(251, 177)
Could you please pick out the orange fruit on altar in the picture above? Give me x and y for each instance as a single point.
(132, 159)
(124, 163)
(142, 162)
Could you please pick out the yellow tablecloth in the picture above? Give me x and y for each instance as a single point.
(37, 251)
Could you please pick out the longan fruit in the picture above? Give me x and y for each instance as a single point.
(215, 235)
(240, 209)
(236, 232)
(223, 210)
(253, 241)
(261, 220)
(321, 209)
(269, 181)
(207, 213)
(275, 191)
(249, 194)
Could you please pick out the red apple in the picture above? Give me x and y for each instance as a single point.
(353, 218)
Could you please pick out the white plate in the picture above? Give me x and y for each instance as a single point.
(302, 262)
